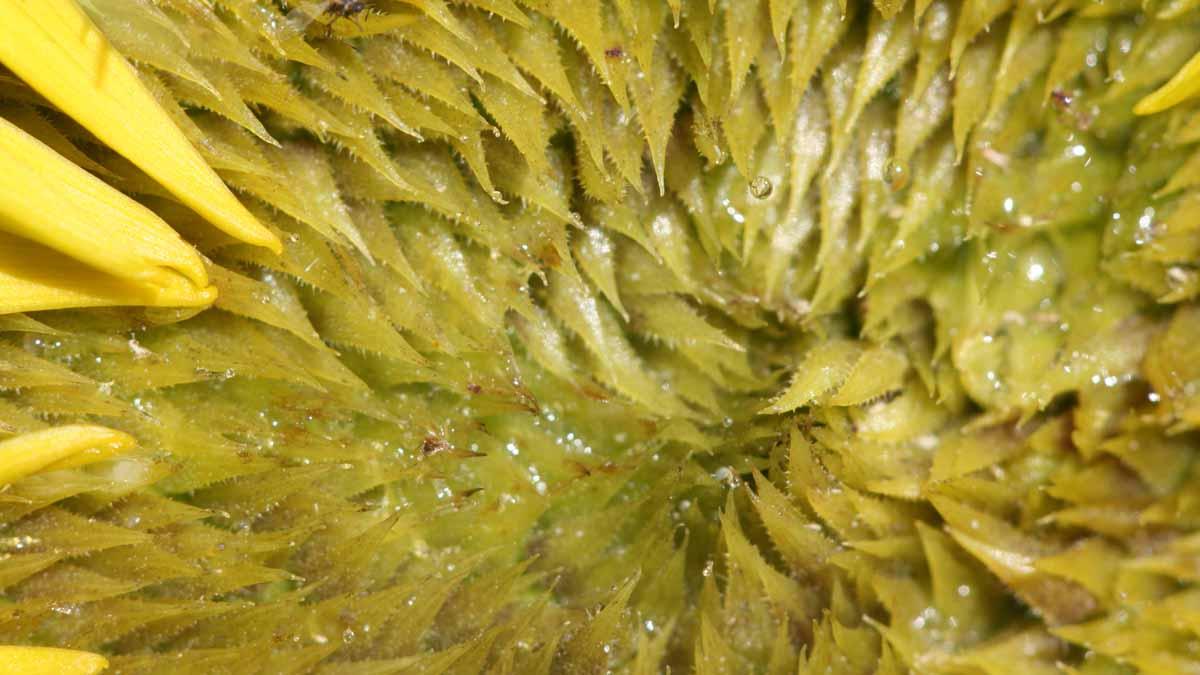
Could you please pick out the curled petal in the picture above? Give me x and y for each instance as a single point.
(1184, 85)
(58, 448)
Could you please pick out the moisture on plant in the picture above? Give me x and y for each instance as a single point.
(585, 336)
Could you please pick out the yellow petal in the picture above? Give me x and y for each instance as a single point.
(57, 50)
(49, 661)
(1184, 85)
(34, 277)
(48, 199)
(59, 448)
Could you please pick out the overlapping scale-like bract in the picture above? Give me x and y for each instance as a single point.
(727, 335)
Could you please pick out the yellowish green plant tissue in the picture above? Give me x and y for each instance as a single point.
(359, 337)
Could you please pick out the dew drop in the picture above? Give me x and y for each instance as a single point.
(761, 187)
(895, 174)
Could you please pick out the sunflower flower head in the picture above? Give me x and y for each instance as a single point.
(551, 336)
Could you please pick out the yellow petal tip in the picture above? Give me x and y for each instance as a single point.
(1184, 85)
(49, 661)
(59, 448)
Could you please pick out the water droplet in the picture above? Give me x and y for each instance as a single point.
(761, 187)
(895, 174)
(348, 635)
(1180, 277)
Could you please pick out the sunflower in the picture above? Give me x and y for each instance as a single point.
(583, 336)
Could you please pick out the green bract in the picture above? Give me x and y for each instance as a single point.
(727, 336)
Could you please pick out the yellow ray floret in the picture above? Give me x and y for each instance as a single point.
(58, 448)
(47, 199)
(49, 661)
(34, 277)
(57, 50)
(1183, 86)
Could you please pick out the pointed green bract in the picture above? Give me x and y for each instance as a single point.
(804, 336)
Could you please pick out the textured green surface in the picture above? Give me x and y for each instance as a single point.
(726, 336)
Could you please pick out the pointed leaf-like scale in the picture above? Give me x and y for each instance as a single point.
(975, 70)
(535, 49)
(656, 95)
(419, 71)
(673, 320)
(228, 103)
(32, 122)
(587, 646)
(507, 9)
(974, 17)
(128, 23)
(528, 132)
(747, 29)
(585, 21)
(267, 300)
(744, 125)
(781, 16)
(575, 305)
(1031, 57)
(792, 534)
(817, 29)
(779, 589)
(352, 83)
(919, 116)
(808, 148)
(1070, 56)
(596, 256)
(825, 367)
(1011, 555)
(439, 12)
(890, 44)
(878, 371)
(486, 48)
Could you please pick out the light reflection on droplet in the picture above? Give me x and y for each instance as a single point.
(761, 187)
